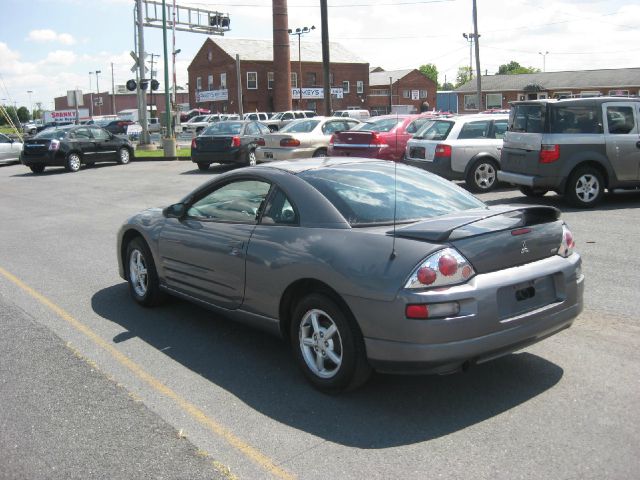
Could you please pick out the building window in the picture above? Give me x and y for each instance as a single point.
(562, 95)
(252, 80)
(423, 94)
(345, 86)
(198, 83)
(471, 102)
(294, 80)
(270, 78)
(619, 93)
(311, 79)
(406, 93)
(223, 81)
(359, 86)
(311, 105)
(590, 93)
(494, 100)
(210, 82)
(378, 92)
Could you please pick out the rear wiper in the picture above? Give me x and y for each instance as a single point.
(420, 137)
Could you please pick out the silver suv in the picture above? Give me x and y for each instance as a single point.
(575, 147)
(460, 148)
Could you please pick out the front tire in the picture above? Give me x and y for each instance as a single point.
(124, 156)
(328, 345)
(142, 276)
(585, 187)
(482, 176)
(73, 162)
(37, 168)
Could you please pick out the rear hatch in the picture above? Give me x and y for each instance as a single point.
(496, 238)
(422, 146)
(215, 143)
(357, 143)
(36, 146)
(523, 140)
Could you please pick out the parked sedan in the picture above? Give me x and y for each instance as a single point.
(227, 142)
(302, 138)
(382, 137)
(461, 148)
(360, 265)
(9, 149)
(72, 146)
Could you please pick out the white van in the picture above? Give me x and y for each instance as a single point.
(357, 114)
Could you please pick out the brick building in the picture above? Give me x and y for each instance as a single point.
(499, 90)
(214, 68)
(124, 100)
(400, 87)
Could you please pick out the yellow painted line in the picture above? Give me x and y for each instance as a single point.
(250, 452)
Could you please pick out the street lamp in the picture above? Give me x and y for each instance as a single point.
(299, 32)
(470, 37)
(30, 104)
(544, 60)
(98, 93)
(91, 95)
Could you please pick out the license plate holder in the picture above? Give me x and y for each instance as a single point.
(268, 155)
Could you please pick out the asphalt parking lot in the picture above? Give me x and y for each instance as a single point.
(562, 409)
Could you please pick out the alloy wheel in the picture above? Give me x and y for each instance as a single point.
(320, 343)
(485, 176)
(587, 188)
(138, 272)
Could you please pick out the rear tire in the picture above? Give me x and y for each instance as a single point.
(533, 192)
(328, 345)
(72, 162)
(483, 175)
(251, 158)
(142, 276)
(321, 152)
(585, 187)
(37, 168)
(203, 166)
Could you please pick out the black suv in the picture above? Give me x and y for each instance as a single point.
(72, 146)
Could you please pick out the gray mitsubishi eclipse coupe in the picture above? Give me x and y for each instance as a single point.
(362, 264)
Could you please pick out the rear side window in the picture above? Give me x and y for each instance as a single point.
(475, 130)
(574, 119)
(499, 128)
(620, 120)
(527, 118)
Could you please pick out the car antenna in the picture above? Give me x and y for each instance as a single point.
(395, 199)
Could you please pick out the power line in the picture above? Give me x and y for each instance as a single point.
(353, 5)
(565, 53)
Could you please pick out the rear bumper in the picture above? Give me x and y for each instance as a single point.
(266, 154)
(439, 166)
(232, 156)
(47, 159)
(533, 181)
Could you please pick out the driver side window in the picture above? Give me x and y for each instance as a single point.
(237, 202)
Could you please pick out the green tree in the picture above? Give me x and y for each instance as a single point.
(431, 71)
(447, 86)
(514, 68)
(11, 112)
(464, 75)
(23, 114)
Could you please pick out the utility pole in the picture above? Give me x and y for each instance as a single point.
(144, 137)
(169, 141)
(477, 39)
(326, 60)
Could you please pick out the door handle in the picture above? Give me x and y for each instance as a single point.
(236, 248)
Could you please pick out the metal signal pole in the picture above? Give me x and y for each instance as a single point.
(144, 137)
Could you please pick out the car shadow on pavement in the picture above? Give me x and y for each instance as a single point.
(216, 168)
(259, 369)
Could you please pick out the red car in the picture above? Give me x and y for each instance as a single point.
(184, 116)
(383, 137)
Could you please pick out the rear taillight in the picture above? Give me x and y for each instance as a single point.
(289, 142)
(377, 140)
(423, 311)
(235, 141)
(442, 151)
(332, 140)
(443, 268)
(194, 143)
(54, 145)
(549, 153)
(261, 142)
(568, 243)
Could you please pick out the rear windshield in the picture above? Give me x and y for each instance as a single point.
(51, 133)
(300, 126)
(434, 130)
(365, 194)
(527, 118)
(381, 125)
(224, 128)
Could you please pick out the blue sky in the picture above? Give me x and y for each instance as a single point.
(50, 46)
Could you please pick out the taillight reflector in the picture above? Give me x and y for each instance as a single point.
(442, 151)
(377, 140)
(417, 311)
(193, 143)
(235, 141)
(261, 142)
(331, 140)
(520, 231)
(549, 153)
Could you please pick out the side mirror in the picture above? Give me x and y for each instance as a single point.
(177, 210)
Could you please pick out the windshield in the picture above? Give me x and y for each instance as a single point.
(381, 125)
(51, 133)
(365, 193)
(302, 126)
(224, 128)
(434, 130)
(277, 116)
(198, 118)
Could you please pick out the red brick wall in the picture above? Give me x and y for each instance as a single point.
(412, 81)
(123, 102)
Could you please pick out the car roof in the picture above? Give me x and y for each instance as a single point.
(305, 164)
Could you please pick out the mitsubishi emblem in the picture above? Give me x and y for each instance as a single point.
(524, 248)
